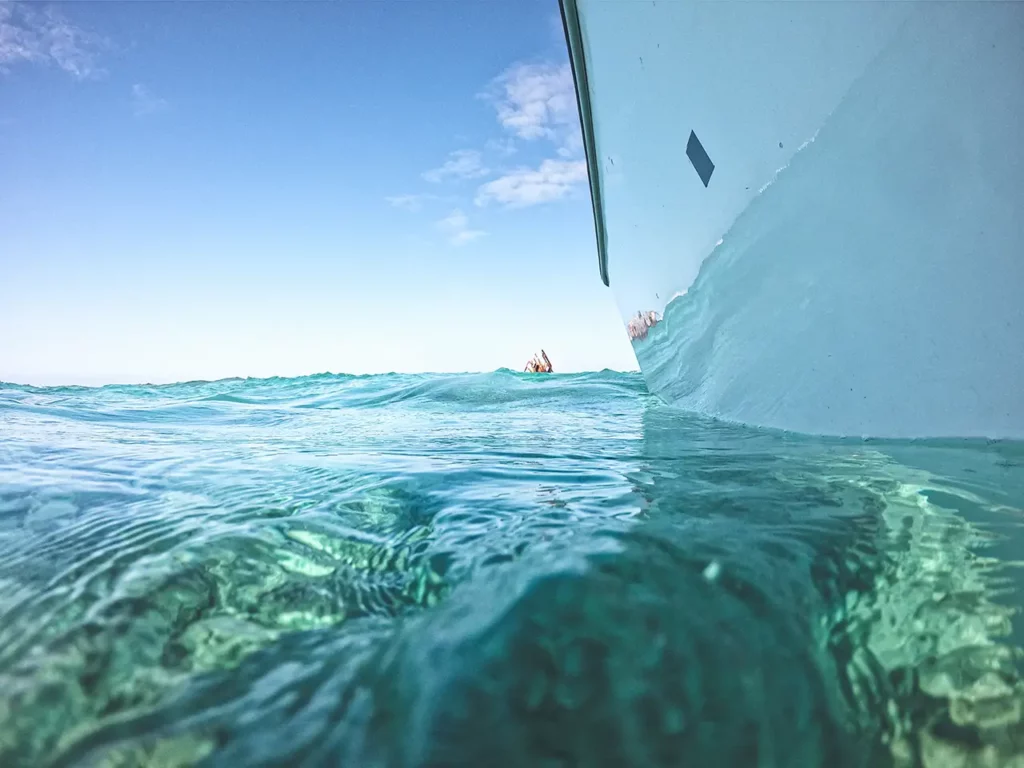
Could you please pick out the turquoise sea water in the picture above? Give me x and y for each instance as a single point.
(494, 569)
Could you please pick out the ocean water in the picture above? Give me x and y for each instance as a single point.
(494, 569)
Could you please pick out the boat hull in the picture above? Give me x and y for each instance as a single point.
(822, 204)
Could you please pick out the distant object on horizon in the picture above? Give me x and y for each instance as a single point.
(537, 365)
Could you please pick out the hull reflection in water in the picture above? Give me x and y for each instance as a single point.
(256, 573)
(831, 192)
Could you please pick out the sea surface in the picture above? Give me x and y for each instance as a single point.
(494, 569)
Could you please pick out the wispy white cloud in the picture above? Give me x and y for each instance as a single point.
(461, 164)
(532, 101)
(504, 146)
(572, 146)
(553, 180)
(408, 202)
(537, 101)
(456, 226)
(466, 236)
(30, 35)
(145, 103)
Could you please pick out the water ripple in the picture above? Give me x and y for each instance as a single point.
(435, 570)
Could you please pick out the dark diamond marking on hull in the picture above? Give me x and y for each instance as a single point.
(699, 157)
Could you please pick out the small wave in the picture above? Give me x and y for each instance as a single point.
(200, 401)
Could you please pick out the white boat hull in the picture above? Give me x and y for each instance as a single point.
(854, 264)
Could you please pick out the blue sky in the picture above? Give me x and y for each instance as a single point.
(201, 190)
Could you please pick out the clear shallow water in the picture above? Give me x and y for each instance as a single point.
(493, 569)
